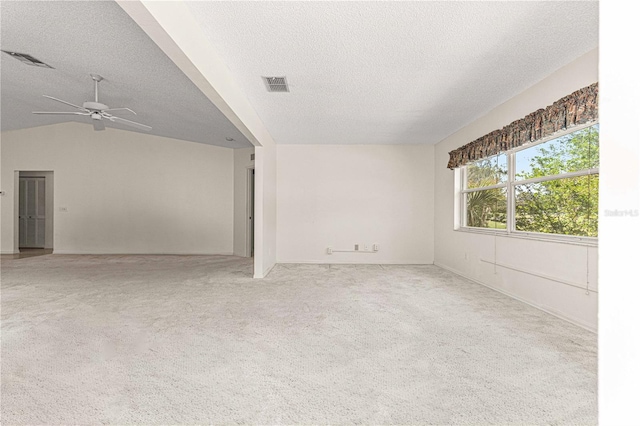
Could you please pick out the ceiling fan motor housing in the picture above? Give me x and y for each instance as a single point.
(97, 106)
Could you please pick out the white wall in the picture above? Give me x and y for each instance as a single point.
(242, 162)
(340, 195)
(173, 28)
(462, 252)
(124, 192)
(265, 223)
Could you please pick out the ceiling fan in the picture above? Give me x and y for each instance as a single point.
(97, 111)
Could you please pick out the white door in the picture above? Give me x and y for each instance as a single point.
(32, 212)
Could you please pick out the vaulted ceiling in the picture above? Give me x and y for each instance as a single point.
(359, 72)
(81, 37)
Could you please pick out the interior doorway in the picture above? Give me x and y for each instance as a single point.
(32, 213)
(251, 180)
(35, 212)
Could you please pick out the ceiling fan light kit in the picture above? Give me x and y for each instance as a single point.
(98, 112)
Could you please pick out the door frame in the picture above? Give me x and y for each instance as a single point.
(25, 222)
(249, 214)
(49, 206)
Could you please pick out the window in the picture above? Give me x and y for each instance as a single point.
(548, 188)
(486, 193)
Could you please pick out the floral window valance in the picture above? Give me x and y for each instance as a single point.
(580, 107)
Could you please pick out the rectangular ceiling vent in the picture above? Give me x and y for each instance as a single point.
(27, 59)
(276, 84)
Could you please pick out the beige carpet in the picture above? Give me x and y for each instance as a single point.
(193, 339)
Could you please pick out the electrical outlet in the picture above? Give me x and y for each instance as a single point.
(63, 209)
(376, 247)
(329, 250)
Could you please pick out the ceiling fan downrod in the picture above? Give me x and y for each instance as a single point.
(97, 78)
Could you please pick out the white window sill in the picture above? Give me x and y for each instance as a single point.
(553, 238)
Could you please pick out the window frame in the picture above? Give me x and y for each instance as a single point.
(460, 205)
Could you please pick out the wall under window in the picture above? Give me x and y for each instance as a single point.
(550, 275)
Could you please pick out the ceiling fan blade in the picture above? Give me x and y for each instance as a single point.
(129, 123)
(65, 102)
(98, 124)
(120, 109)
(61, 112)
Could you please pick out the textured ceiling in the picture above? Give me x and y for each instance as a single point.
(391, 72)
(78, 38)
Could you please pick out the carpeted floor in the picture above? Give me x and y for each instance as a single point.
(193, 339)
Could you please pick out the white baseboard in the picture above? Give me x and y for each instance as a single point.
(265, 273)
(323, 262)
(98, 253)
(555, 314)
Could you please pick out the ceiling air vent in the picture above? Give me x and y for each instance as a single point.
(276, 84)
(27, 59)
